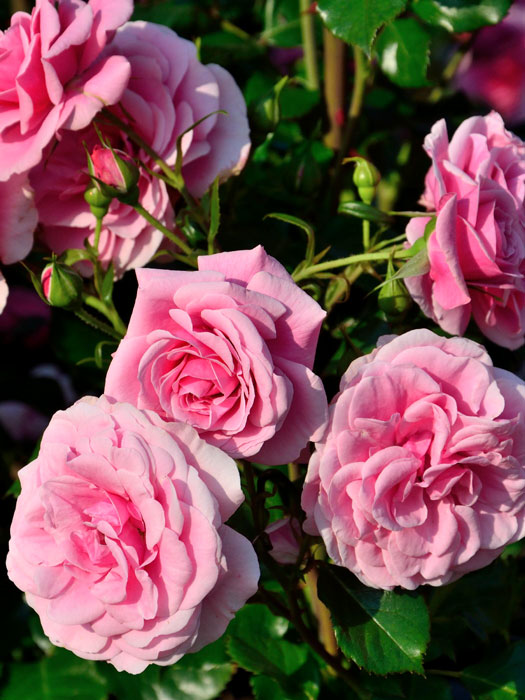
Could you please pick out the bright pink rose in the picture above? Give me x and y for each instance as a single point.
(114, 168)
(53, 76)
(493, 70)
(168, 92)
(229, 350)
(420, 476)
(284, 536)
(118, 537)
(477, 251)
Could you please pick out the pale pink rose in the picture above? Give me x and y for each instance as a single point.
(477, 251)
(229, 350)
(118, 538)
(493, 70)
(53, 76)
(18, 222)
(284, 536)
(169, 91)
(420, 476)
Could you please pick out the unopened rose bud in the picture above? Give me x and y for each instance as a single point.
(284, 537)
(61, 285)
(394, 299)
(366, 178)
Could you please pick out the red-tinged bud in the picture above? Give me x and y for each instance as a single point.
(114, 171)
(61, 285)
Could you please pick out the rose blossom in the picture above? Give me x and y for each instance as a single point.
(229, 350)
(493, 70)
(477, 252)
(169, 91)
(284, 539)
(420, 476)
(118, 537)
(19, 220)
(53, 76)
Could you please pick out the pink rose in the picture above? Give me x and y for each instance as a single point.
(118, 537)
(477, 251)
(18, 222)
(493, 70)
(284, 536)
(168, 92)
(53, 75)
(420, 476)
(229, 350)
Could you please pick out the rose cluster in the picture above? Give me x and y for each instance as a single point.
(63, 64)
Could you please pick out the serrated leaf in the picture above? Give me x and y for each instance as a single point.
(499, 678)
(461, 15)
(61, 676)
(381, 631)
(358, 21)
(363, 211)
(403, 51)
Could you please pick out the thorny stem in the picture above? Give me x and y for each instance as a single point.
(351, 260)
(309, 48)
(334, 87)
(96, 323)
(109, 311)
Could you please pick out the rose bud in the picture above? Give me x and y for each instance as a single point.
(393, 297)
(98, 201)
(284, 537)
(61, 285)
(366, 179)
(114, 171)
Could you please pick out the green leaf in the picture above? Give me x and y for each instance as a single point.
(265, 652)
(461, 15)
(61, 676)
(403, 51)
(74, 255)
(215, 215)
(381, 631)
(199, 676)
(498, 678)
(106, 291)
(363, 211)
(295, 221)
(304, 684)
(358, 21)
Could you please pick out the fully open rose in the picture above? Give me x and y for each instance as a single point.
(477, 252)
(169, 91)
(118, 537)
(229, 350)
(420, 476)
(53, 76)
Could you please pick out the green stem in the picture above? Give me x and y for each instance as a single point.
(109, 311)
(366, 234)
(309, 48)
(98, 229)
(351, 260)
(85, 316)
(439, 672)
(163, 229)
(411, 214)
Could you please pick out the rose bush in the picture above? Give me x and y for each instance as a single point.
(229, 350)
(477, 252)
(420, 476)
(54, 76)
(493, 70)
(168, 92)
(118, 537)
